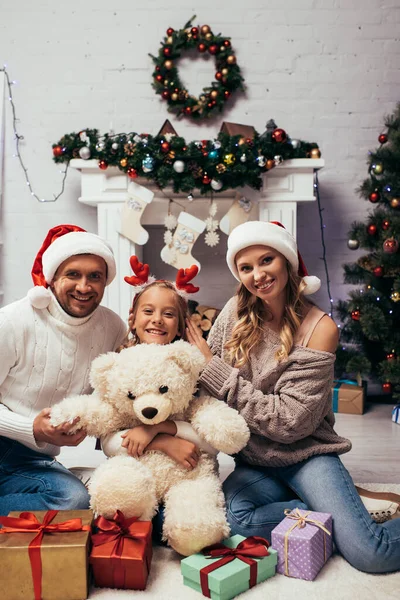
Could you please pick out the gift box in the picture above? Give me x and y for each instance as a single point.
(121, 553)
(396, 414)
(304, 543)
(44, 555)
(223, 571)
(348, 397)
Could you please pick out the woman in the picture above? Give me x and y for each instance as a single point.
(271, 358)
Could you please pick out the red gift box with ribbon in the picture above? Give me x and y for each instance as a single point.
(122, 552)
(44, 555)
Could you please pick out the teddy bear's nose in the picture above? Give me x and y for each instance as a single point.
(149, 412)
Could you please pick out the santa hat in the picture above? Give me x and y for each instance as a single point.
(274, 235)
(62, 242)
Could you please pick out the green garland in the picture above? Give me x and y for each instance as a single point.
(166, 79)
(208, 165)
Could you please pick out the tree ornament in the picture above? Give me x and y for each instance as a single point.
(395, 296)
(123, 162)
(220, 168)
(148, 163)
(57, 150)
(260, 160)
(130, 148)
(385, 225)
(132, 173)
(355, 315)
(295, 144)
(243, 158)
(218, 75)
(395, 202)
(377, 168)
(270, 164)
(165, 147)
(84, 153)
(100, 146)
(390, 246)
(315, 153)
(103, 165)
(229, 159)
(353, 244)
(374, 196)
(371, 229)
(206, 179)
(216, 184)
(114, 146)
(179, 100)
(178, 166)
(391, 356)
(387, 387)
(378, 271)
(170, 31)
(211, 238)
(278, 159)
(279, 135)
(383, 138)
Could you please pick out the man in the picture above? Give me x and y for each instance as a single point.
(47, 343)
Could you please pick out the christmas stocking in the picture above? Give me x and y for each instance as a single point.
(179, 252)
(131, 228)
(238, 213)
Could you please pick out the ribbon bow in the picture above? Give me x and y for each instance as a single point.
(250, 548)
(27, 522)
(301, 521)
(184, 234)
(183, 248)
(118, 529)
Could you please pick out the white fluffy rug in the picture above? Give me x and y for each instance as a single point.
(337, 580)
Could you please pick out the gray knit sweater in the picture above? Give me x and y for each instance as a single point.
(287, 405)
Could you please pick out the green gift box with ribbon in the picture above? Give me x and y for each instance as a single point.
(348, 396)
(222, 571)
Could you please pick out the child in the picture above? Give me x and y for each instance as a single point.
(158, 316)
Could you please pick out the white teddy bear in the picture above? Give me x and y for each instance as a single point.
(150, 383)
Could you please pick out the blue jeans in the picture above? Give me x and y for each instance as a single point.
(256, 498)
(30, 480)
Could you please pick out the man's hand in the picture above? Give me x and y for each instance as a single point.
(185, 453)
(43, 431)
(138, 438)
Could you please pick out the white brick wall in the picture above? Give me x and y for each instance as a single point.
(325, 70)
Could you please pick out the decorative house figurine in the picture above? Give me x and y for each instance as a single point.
(246, 131)
(167, 128)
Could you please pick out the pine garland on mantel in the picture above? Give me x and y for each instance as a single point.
(208, 166)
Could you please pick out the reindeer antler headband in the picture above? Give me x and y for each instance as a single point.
(141, 278)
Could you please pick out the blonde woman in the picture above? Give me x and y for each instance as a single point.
(271, 357)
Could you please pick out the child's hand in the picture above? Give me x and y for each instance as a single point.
(137, 439)
(185, 453)
(195, 337)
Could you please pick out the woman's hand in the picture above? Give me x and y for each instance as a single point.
(185, 453)
(137, 439)
(195, 337)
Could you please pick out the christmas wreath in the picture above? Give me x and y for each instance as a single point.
(166, 79)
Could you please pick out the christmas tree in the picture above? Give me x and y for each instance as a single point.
(371, 315)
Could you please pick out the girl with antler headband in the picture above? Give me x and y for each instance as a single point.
(158, 316)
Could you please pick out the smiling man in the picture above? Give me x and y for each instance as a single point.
(48, 341)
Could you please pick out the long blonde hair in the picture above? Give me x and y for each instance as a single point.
(181, 304)
(253, 314)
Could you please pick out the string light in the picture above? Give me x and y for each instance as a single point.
(18, 138)
(322, 227)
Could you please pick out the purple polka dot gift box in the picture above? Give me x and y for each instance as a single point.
(304, 543)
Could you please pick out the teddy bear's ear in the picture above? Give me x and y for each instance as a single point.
(100, 370)
(188, 357)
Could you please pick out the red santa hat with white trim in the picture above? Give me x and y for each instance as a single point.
(274, 235)
(62, 242)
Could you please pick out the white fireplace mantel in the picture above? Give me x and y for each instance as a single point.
(284, 187)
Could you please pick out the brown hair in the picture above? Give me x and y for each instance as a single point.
(181, 304)
(252, 315)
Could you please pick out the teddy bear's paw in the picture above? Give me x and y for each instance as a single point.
(123, 483)
(195, 515)
(63, 413)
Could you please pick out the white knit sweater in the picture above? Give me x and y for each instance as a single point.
(45, 355)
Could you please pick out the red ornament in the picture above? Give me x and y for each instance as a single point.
(205, 153)
(158, 68)
(279, 135)
(390, 356)
(194, 31)
(210, 104)
(383, 138)
(206, 179)
(226, 43)
(213, 49)
(57, 150)
(132, 173)
(378, 271)
(227, 94)
(218, 75)
(170, 31)
(371, 229)
(390, 246)
(165, 94)
(355, 315)
(188, 110)
(103, 164)
(167, 51)
(374, 196)
(159, 78)
(387, 387)
(201, 47)
(165, 147)
(385, 225)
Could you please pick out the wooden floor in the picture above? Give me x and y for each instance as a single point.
(374, 458)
